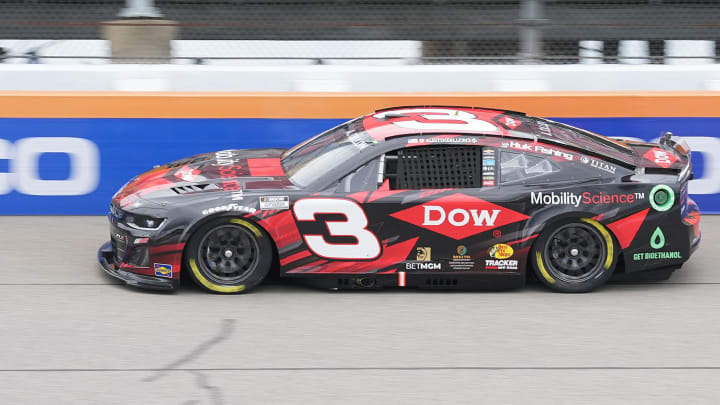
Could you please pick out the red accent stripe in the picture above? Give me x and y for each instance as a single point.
(282, 228)
(166, 248)
(522, 240)
(359, 196)
(265, 167)
(307, 266)
(295, 257)
(625, 229)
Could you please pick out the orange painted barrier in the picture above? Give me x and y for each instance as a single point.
(348, 105)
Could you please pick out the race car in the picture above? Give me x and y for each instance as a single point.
(430, 197)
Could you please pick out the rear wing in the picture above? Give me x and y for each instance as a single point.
(681, 147)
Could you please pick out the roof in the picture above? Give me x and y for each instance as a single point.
(414, 120)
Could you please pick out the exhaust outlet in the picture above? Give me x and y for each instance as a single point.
(365, 282)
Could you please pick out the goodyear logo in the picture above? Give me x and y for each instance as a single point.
(501, 251)
(163, 270)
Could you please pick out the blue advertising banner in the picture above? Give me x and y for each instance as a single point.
(73, 166)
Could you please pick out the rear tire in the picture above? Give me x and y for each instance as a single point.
(574, 256)
(229, 256)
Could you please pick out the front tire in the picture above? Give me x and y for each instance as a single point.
(229, 256)
(574, 256)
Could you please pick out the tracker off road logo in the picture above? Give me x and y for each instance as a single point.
(459, 216)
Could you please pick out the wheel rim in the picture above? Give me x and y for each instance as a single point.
(228, 253)
(575, 253)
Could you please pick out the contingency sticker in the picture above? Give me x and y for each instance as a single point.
(488, 167)
(275, 202)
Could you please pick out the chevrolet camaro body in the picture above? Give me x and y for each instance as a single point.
(428, 197)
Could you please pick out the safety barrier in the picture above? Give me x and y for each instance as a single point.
(67, 153)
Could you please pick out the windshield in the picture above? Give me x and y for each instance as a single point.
(320, 155)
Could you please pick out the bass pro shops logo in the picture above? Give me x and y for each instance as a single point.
(25, 167)
(459, 216)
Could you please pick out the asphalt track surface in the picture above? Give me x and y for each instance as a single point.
(69, 334)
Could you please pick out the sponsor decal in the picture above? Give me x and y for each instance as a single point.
(119, 237)
(503, 264)
(660, 157)
(509, 122)
(501, 251)
(461, 260)
(657, 241)
(228, 207)
(662, 198)
(356, 140)
(225, 158)
(461, 139)
(459, 216)
(544, 128)
(163, 270)
(237, 195)
(586, 198)
(186, 173)
(423, 254)
(275, 202)
(228, 170)
(598, 164)
(423, 266)
(488, 168)
(532, 147)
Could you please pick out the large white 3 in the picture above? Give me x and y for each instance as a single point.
(355, 225)
(465, 121)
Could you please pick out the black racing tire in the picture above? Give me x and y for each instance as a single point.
(228, 256)
(574, 256)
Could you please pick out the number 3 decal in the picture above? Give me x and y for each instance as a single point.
(355, 225)
(439, 119)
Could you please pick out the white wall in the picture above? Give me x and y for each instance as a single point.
(408, 78)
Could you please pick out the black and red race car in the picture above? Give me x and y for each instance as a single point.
(425, 197)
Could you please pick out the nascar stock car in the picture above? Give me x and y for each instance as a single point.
(424, 197)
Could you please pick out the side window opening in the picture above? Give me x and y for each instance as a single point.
(365, 178)
(428, 167)
(520, 167)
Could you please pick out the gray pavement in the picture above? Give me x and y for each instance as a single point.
(69, 334)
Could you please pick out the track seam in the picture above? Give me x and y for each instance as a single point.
(461, 368)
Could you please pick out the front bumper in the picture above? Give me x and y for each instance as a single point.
(105, 257)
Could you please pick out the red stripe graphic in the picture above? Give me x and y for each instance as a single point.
(265, 167)
(295, 257)
(522, 240)
(625, 229)
(166, 248)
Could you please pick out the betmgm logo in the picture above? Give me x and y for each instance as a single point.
(23, 173)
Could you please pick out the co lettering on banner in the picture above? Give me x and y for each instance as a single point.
(24, 157)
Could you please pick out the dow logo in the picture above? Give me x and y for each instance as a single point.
(23, 173)
(459, 216)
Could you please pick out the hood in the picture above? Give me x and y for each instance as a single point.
(223, 171)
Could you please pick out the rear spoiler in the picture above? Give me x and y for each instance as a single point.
(679, 145)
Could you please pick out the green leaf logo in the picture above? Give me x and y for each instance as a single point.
(657, 240)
